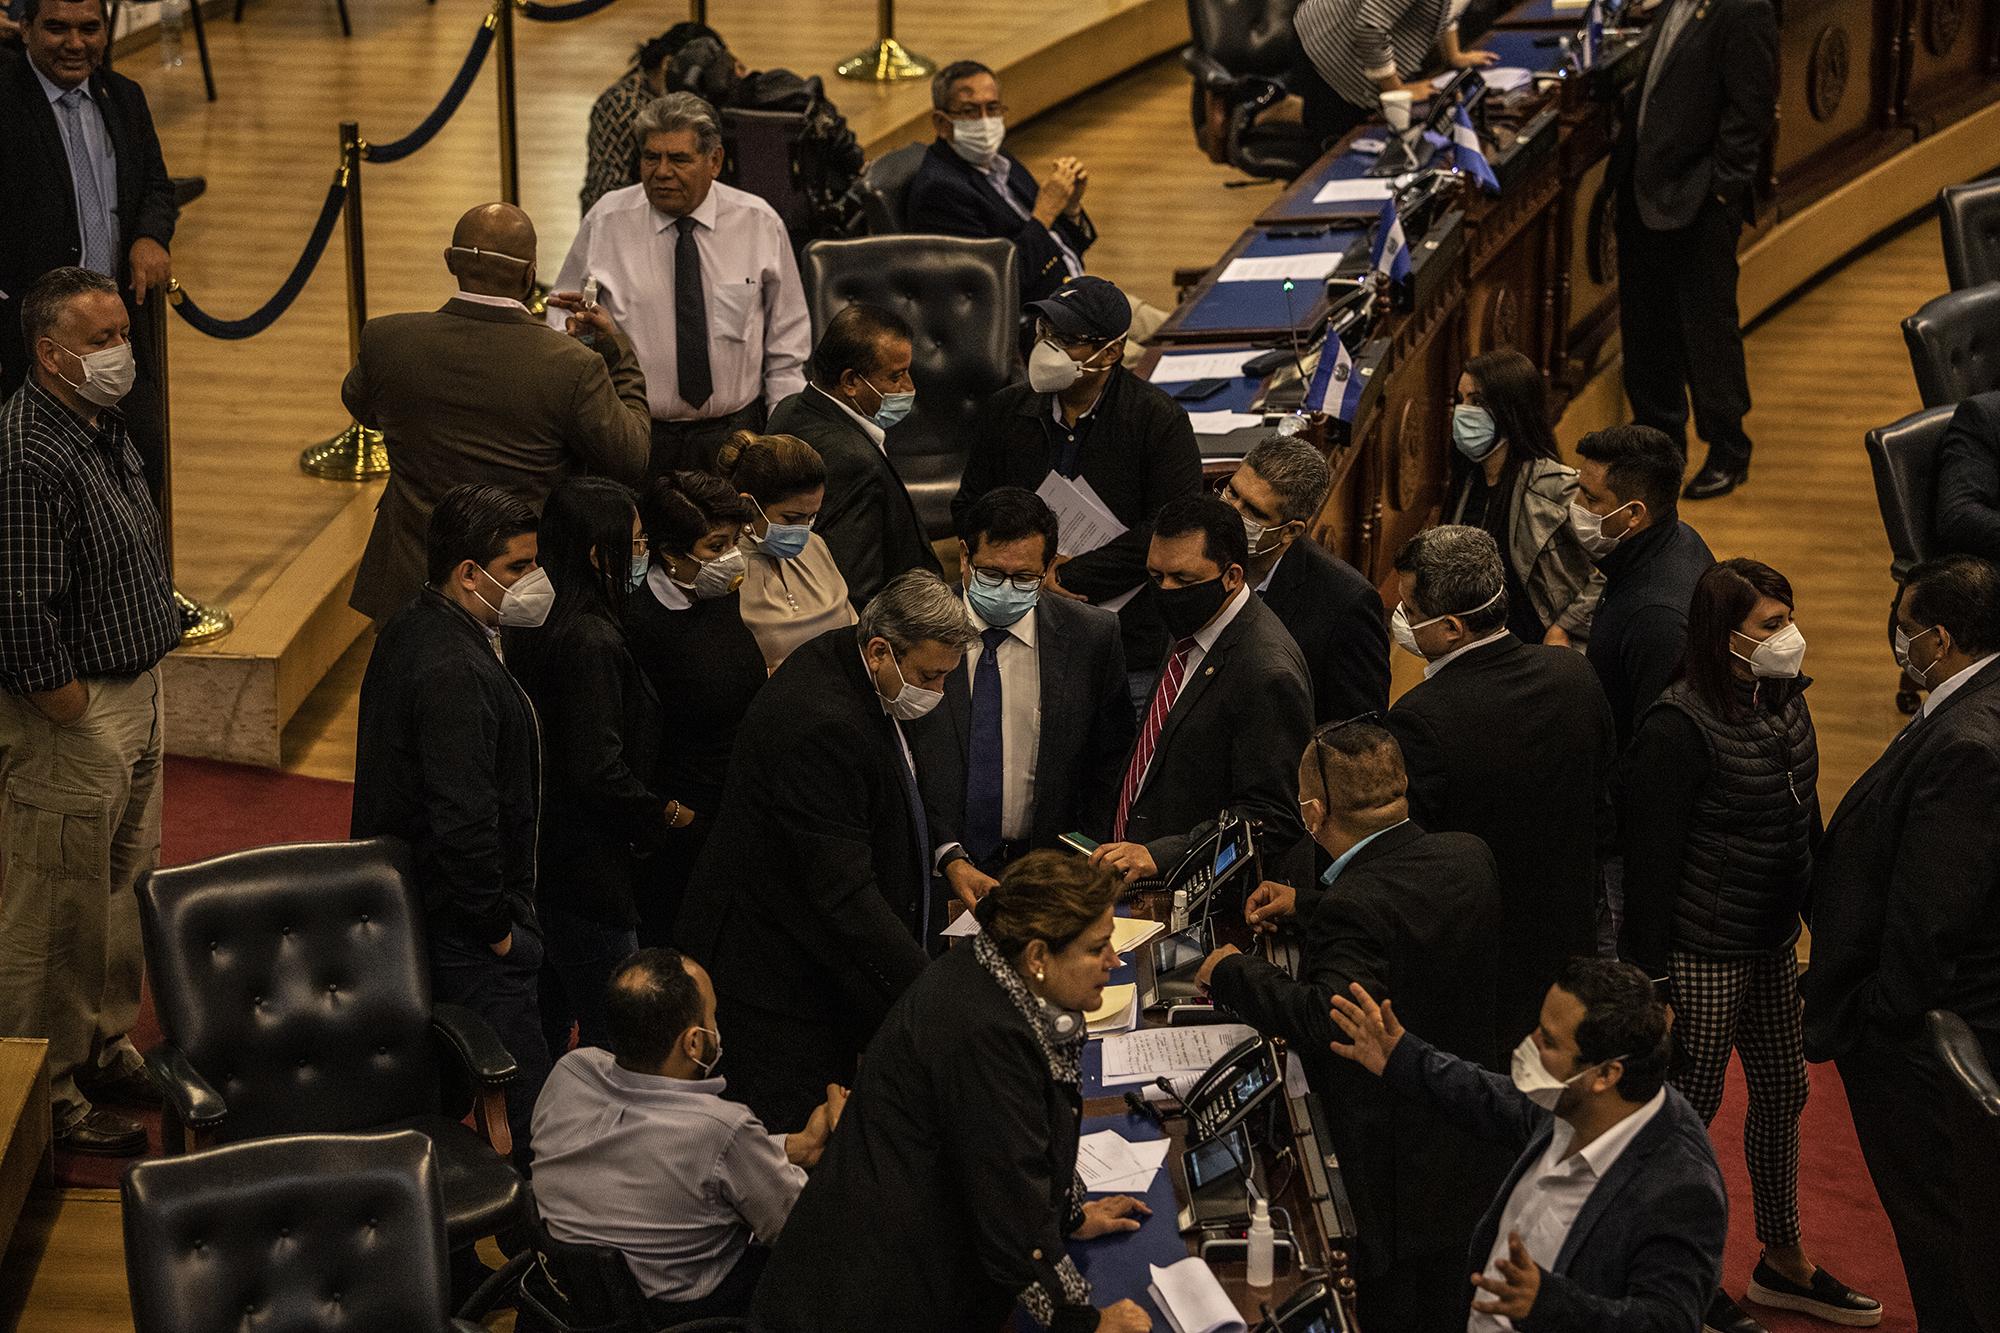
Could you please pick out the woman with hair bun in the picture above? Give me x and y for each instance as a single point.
(792, 590)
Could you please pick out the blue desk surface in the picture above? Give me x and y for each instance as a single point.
(1260, 308)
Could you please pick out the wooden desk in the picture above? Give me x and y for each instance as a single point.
(27, 1137)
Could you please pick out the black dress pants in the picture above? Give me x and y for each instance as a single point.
(1677, 313)
(1932, 1158)
(691, 446)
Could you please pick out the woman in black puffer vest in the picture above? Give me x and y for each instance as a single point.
(1718, 817)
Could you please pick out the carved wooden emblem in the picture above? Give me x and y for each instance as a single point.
(1943, 20)
(1410, 445)
(1826, 76)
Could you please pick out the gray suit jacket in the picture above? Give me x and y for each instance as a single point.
(479, 394)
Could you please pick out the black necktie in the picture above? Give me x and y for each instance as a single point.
(690, 319)
(984, 776)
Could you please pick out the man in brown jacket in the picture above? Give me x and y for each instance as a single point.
(481, 391)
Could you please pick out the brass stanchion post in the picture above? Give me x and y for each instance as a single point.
(357, 453)
(887, 60)
(198, 622)
(503, 82)
(698, 11)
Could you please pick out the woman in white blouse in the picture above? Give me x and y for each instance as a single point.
(792, 590)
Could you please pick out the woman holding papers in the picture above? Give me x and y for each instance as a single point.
(948, 1195)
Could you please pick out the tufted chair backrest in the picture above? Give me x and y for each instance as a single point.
(1969, 216)
(1246, 36)
(1954, 343)
(1903, 457)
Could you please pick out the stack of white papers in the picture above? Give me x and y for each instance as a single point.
(1186, 367)
(1355, 190)
(1085, 522)
(1500, 78)
(1192, 1300)
(1129, 932)
(1276, 268)
(1117, 1012)
(1141, 1057)
(1221, 423)
(1110, 1163)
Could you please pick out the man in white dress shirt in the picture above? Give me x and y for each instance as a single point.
(1614, 1216)
(701, 276)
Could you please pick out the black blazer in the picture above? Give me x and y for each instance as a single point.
(1905, 905)
(1336, 617)
(1138, 454)
(1513, 742)
(1412, 918)
(1086, 730)
(1232, 741)
(805, 902)
(38, 225)
(1968, 479)
(867, 520)
(1645, 1252)
(1639, 634)
(600, 731)
(1712, 109)
(945, 1194)
(951, 197)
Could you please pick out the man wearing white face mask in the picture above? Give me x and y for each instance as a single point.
(812, 904)
(1614, 1216)
(86, 613)
(448, 758)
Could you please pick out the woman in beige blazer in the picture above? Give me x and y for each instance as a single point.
(792, 591)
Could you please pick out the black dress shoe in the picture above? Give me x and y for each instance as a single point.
(131, 1088)
(1726, 1316)
(1825, 1297)
(1713, 481)
(104, 1133)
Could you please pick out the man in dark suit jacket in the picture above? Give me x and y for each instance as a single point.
(46, 142)
(967, 185)
(1409, 915)
(1232, 706)
(810, 903)
(1968, 479)
(1332, 612)
(481, 391)
(1690, 148)
(1613, 1218)
(1103, 427)
(1627, 515)
(1512, 742)
(1905, 915)
(860, 387)
(1012, 762)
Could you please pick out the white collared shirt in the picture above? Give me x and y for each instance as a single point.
(1944, 691)
(1432, 668)
(1019, 660)
(873, 431)
(665, 591)
(758, 332)
(1549, 1195)
(1205, 637)
(998, 170)
(497, 302)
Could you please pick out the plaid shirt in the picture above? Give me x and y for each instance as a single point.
(84, 589)
(613, 144)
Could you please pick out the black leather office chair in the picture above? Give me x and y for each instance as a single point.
(1242, 53)
(1954, 343)
(294, 994)
(964, 301)
(328, 1232)
(885, 183)
(590, 1289)
(1969, 216)
(1903, 457)
(1965, 1060)
(760, 152)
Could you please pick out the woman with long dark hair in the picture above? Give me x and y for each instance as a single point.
(686, 630)
(1511, 481)
(600, 728)
(1719, 816)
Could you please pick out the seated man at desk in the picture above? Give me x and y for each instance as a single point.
(1613, 1217)
(1407, 914)
(1968, 479)
(1232, 705)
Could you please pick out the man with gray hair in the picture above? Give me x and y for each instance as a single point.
(812, 905)
(1331, 611)
(701, 276)
(1511, 741)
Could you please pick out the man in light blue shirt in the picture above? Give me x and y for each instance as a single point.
(638, 1151)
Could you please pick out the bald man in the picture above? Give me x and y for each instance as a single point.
(480, 391)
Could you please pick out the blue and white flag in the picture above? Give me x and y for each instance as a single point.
(1466, 154)
(1392, 252)
(1335, 379)
(1593, 35)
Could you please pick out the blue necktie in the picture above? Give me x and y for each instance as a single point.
(921, 826)
(983, 761)
(92, 209)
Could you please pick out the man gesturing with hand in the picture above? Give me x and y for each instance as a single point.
(1614, 1215)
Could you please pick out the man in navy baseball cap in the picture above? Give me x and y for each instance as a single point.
(1086, 307)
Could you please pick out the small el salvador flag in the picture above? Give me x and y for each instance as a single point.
(1593, 34)
(1466, 155)
(1392, 252)
(1335, 378)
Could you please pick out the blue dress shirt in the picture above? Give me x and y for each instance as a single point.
(1340, 862)
(93, 172)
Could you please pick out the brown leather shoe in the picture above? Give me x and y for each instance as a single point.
(131, 1088)
(104, 1133)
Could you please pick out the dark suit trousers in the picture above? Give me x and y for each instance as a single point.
(1932, 1159)
(502, 991)
(1677, 313)
(691, 446)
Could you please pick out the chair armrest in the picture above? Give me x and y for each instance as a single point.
(1209, 72)
(474, 1043)
(198, 1106)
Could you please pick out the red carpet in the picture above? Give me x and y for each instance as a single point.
(211, 808)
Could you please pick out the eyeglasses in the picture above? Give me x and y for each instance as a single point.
(993, 578)
(641, 544)
(982, 110)
(1325, 733)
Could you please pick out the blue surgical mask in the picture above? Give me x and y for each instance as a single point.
(1001, 606)
(1473, 431)
(636, 579)
(895, 406)
(786, 541)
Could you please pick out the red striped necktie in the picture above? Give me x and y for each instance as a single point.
(1164, 694)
